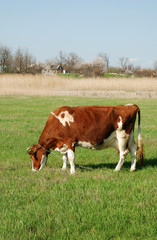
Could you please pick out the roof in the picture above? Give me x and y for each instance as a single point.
(56, 67)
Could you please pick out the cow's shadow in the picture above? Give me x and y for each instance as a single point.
(152, 162)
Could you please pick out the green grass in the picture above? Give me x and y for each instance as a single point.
(106, 75)
(96, 203)
(116, 75)
(70, 75)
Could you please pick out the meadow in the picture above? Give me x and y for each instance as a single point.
(96, 203)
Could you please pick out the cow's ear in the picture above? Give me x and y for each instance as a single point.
(31, 150)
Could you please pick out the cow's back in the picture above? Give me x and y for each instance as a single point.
(89, 123)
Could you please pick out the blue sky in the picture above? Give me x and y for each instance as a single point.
(120, 28)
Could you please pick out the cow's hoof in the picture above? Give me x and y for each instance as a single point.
(132, 170)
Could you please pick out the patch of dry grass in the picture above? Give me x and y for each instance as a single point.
(15, 84)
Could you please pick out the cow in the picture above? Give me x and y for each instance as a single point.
(93, 127)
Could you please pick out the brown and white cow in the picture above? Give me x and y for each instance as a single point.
(93, 127)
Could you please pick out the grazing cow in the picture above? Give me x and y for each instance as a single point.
(93, 127)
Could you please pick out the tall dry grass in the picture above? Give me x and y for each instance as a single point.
(14, 84)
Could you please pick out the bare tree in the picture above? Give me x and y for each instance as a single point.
(19, 61)
(61, 59)
(28, 61)
(23, 61)
(106, 58)
(99, 66)
(6, 59)
(155, 65)
(124, 62)
(72, 62)
(86, 70)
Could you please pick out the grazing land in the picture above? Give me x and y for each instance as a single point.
(95, 203)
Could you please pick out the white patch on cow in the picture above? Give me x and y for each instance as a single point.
(122, 138)
(129, 104)
(111, 141)
(71, 158)
(85, 145)
(64, 117)
(133, 151)
(64, 162)
(62, 150)
(120, 124)
(57, 149)
(139, 133)
(33, 169)
(43, 161)
(121, 160)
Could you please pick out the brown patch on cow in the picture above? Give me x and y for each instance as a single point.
(63, 115)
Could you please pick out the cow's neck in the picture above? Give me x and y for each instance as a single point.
(46, 141)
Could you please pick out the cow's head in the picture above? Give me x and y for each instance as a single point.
(38, 155)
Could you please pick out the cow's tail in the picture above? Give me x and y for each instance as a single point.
(140, 142)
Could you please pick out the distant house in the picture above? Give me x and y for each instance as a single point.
(53, 69)
(57, 68)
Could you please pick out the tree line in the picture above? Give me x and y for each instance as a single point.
(19, 62)
(23, 62)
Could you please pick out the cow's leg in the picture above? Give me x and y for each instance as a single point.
(123, 154)
(133, 151)
(64, 161)
(122, 141)
(71, 158)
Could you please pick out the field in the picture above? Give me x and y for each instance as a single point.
(95, 203)
(42, 85)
